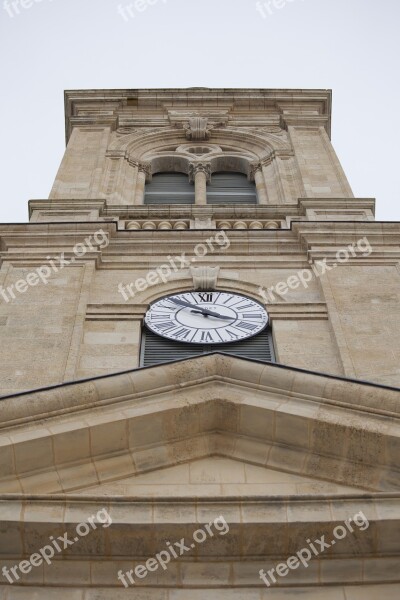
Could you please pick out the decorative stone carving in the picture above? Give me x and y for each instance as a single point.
(246, 224)
(240, 225)
(224, 225)
(199, 167)
(272, 225)
(202, 222)
(133, 225)
(254, 167)
(198, 122)
(145, 168)
(150, 225)
(283, 154)
(199, 151)
(267, 160)
(180, 225)
(256, 225)
(160, 225)
(204, 278)
(165, 225)
(197, 130)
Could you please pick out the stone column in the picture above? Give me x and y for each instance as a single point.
(200, 174)
(257, 174)
(144, 172)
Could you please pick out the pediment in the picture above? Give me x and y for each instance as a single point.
(216, 476)
(166, 449)
(93, 433)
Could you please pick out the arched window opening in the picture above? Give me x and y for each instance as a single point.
(231, 188)
(169, 188)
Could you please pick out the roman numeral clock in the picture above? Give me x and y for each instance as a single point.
(192, 323)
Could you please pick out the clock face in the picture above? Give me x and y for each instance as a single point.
(206, 317)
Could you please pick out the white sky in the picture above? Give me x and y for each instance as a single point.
(351, 46)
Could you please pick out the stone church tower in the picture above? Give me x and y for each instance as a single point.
(200, 360)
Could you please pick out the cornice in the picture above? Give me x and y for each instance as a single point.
(135, 312)
(103, 107)
(260, 532)
(106, 390)
(211, 405)
(344, 204)
(63, 204)
(356, 207)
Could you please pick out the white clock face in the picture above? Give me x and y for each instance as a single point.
(206, 317)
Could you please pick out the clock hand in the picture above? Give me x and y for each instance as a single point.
(211, 313)
(203, 311)
(183, 303)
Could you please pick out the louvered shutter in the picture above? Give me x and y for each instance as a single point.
(231, 188)
(156, 350)
(169, 188)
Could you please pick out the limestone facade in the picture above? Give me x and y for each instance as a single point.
(284, 452)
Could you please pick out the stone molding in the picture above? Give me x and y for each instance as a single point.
(199, 167)
(58, 443)
(205, 278)
(138, 525)
(293, 106)
(346, 411)
(145, 167)
(284, 154)
(197, 129)
(136, 312)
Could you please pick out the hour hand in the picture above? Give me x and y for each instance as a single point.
(211, 313)
(198, 309)
(195, 309)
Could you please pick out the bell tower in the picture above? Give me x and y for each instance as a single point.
(199, 359)
(173, 169)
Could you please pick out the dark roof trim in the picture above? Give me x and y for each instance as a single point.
(276, 365)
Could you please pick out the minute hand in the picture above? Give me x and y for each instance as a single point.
(203, 311)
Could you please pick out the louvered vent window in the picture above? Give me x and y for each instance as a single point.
(231, 188)
(156, 350)
(169, 188)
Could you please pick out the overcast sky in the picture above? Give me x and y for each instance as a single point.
(351, 46)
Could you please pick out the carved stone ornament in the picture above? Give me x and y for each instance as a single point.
(254, 167)
(204, 278)
(197, 167)
(283, 154)
(197, 129)
(145, 168)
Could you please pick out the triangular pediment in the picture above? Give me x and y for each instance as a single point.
(93, 433)
(166, 449)
(216, 476)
